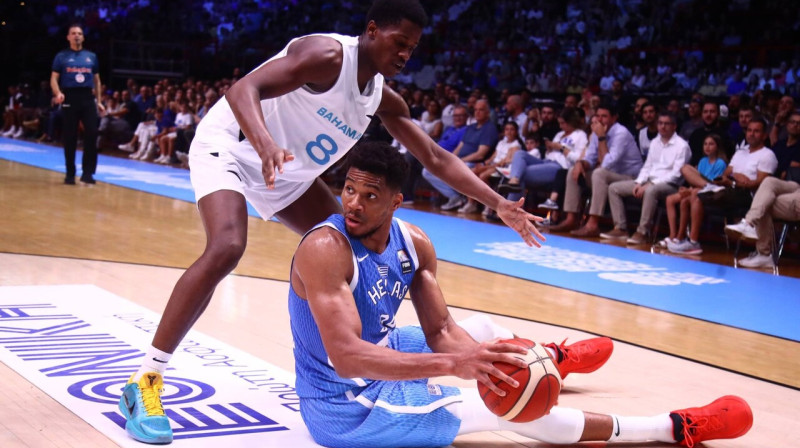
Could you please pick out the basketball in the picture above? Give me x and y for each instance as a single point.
(539, 386)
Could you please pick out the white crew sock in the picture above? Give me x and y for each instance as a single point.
(154, 361)
(560, 426)
(641, 429)
(483, 329)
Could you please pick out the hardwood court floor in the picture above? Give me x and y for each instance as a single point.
(128, 242)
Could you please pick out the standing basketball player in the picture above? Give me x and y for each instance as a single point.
(75, 81)
(267, 141)
(362, 382)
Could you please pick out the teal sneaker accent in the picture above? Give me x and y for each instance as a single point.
(140, 404)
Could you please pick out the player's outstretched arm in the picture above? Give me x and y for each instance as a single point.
(394, 114)
(315, 61)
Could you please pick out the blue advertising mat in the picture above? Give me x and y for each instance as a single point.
(746, 299)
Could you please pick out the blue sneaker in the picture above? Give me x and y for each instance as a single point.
(140, 404)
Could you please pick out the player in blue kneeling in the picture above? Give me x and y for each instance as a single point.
(363, 382)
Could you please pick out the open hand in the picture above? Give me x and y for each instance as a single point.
(521, 221)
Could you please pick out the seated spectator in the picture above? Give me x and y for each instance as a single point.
(785, 109)
(166, 144)
(775, 198)
(567, 147)
(516, 112)
(431, 120)
(737, 127)
(659, 177)
(710, 125)
(532, 122)
(503, 153)
(476, 145)
(787, 150)
(693, 120)
(549, 124)
(114, 127)
(450, 139)
(709, 170)
(612, 155)
(649, 130)
(748, 168)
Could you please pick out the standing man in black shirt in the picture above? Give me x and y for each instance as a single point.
(75, 74)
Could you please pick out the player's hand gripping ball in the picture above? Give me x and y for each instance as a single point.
(539, 385)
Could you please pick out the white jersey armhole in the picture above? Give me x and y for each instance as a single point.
(354, 280)
(409, 242)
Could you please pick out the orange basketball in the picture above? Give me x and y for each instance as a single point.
(539, 386)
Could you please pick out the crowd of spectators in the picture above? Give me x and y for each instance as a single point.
(616, 70)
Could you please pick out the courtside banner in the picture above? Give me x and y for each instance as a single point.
(80, 343)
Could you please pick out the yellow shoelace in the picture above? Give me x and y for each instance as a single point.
(151, 396)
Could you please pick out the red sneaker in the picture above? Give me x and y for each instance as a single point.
(724, 418)
(582, 356)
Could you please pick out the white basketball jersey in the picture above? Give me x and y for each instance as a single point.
(317, 127)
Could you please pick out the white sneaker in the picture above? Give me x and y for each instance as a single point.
(126, 147)
(453, 203)
(549, 204)
(711, 188)
(183, 157)
(665, 242)
(19, 133)
(686, 247)
(757, 260)
(9, 132)
(743, 229)
(469, 207)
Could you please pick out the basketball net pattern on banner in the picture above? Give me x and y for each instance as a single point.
(80, 344)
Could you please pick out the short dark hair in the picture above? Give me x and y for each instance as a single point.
(381, 159)
(610, 107)
(672, 117)
(392, 12)
(759, 119)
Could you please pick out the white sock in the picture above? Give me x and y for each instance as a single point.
(641, 429)
(560, 426)
(482, 328)
(154, 361)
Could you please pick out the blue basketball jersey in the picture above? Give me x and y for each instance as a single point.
(76, 69)
(379, 284)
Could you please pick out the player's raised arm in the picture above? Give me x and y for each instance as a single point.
(315, 61)
(394, 114)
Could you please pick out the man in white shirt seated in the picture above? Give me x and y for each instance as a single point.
(659, 177)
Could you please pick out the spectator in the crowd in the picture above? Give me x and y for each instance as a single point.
(476, 145)
(638, 122)
(145, 101)
(450, 139)
(166, 143)
(694, 119)
(774, 198)
(710, 125)
(612, 155)
(649, 130)
(747, 169)
(708, 171)
(431, 120)
(533, 122)
(738, 126)
(568, 146)
(785, 109)
(504, 151)
(787, 150)
(659, 177)
(516, 113)
(549, 126)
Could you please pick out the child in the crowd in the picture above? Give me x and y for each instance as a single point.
(710, 168)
